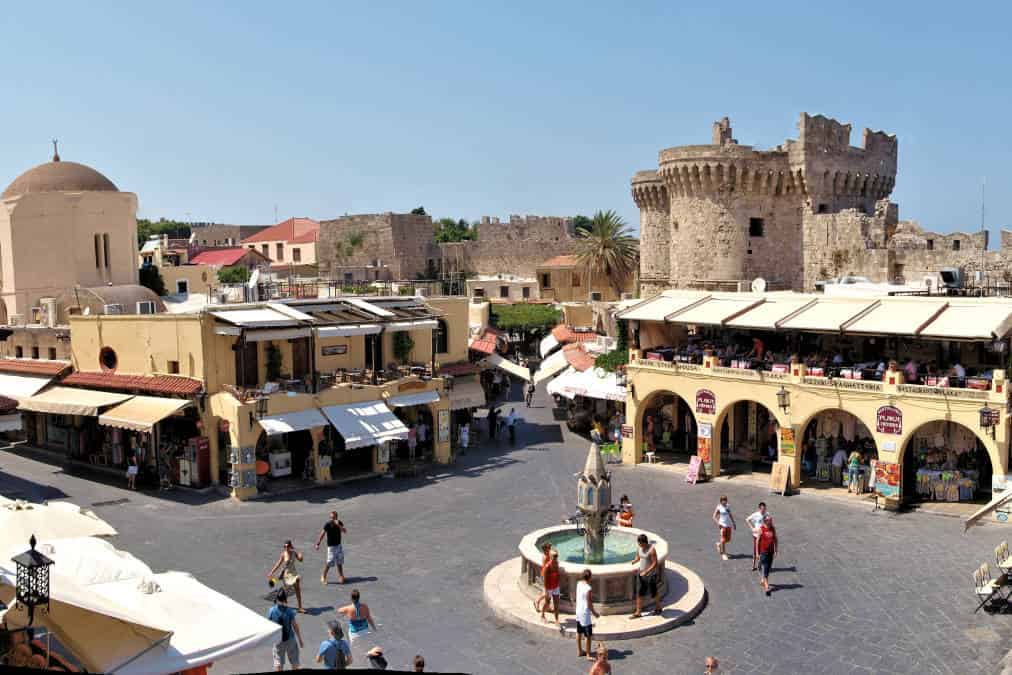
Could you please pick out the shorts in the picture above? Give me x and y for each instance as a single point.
(552, 592)
(648, 586)
(335, 555)
(587, 630)
(358, 635)
(131, 470)
(290, 649)
(725, 534)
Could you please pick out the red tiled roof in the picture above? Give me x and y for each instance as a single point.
(560, 261)
(293, 230)
(578, 357)
(149, 384)
(33, 366)
(223, 257)
(565, 334)
(486, 343)
(457, 369)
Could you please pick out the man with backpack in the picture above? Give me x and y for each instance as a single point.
(291, 637)
(335, 652)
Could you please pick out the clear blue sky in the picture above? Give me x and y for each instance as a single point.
(221, 113)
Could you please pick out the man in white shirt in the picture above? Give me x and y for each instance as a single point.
(839, 459)
(755, 521)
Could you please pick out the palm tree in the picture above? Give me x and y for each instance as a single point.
(607, 248)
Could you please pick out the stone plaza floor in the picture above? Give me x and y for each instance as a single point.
(856, 591)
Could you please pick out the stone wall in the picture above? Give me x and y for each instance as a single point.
(514, 247)
(401, 241)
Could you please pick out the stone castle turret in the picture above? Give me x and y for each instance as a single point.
(726, 212)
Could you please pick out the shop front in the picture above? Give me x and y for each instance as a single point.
(828, 442)
(593, 398)
(466, 396)
(285, 449)
(415, 410)
(946, 462)
(363, 434)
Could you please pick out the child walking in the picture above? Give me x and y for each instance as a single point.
(724, 520)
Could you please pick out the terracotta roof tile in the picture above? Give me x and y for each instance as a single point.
(485, 344)
(578, 357)
(560, 261)
(148, 384)
(33, 367)
(224, 256)
(565, 334)
(294, 230)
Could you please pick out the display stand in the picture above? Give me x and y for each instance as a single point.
(780, 479)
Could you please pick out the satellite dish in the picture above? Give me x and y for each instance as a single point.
(759, 285)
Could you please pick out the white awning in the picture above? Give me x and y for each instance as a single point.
(10, 422)
(979, 321)
(896, 317)
(346, 331)
(400, 326)
(548, 343)
(369, 307)
(71, 401)
(260, 317)
(550, 366)
(466, 394)
(998, 501)
(660, 306)
(497, 361)
(276, 334)
(573, 383)
(766, 315)
(366, 423)
(275, 425)
(828, 314)
(141, 413)
(714, 310)
(18, 387)
(417, 398)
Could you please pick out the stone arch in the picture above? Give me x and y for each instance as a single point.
(908, 465)
(720, 437)
(806, 426)
(681, 405)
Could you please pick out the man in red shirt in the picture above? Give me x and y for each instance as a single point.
(550, 574)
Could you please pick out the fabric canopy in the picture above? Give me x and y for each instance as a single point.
(548, 343)
(573, 383)
(56, 520)
(141, 413)
(978, 321)
(550, 366)
(18, 387)
(367, 423)
(401, 326)
(1000, 500)
(418, 398)
(715, 310)
(345, 331)
(276, 334)
(896, 317)
(497, 361)
(276, 425)
(466, 394)
(70, 401)
(660, 306)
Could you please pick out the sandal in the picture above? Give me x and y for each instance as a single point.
(635, 616)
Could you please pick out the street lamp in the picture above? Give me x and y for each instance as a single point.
(987, 419)
(32, 589)
(784, 399)
(259, 410)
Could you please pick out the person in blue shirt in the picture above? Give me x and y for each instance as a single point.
(335, 653)
(291, 637)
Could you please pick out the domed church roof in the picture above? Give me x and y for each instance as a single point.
(59, 176)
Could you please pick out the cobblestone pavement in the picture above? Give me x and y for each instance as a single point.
(856, 591)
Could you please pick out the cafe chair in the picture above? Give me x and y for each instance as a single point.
(988, 590)
(651, 456)
(1002, 559)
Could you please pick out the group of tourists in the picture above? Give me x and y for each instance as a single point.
(335, 652)
(764, 538)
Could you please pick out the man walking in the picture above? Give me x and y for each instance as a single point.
(291, 637)
(334, 654)
(530, 394)
(584, 611)
(646, 558)
(755, 521)
(493, 423)
(332, 530)
(511, 423)
(359, 618)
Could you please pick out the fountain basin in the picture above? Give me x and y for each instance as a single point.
(614, 582)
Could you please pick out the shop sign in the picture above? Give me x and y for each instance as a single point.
(334, 350)
(889, 420)
(706, 402)
(703, 437)
(444, 426)
(787, 441)
(887, 479)
(414, 385)
(627, 431)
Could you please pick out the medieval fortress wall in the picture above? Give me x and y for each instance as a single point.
(815, 207)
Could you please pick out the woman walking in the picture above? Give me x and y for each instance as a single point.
(546, 558)
(724, 520)
(767, 551)
(289, 572)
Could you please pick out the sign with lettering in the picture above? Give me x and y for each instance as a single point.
(706, 402)
(444, 426)
(334, 350)
(411, 385)
(703, 438)
(887, 479)
(696, 471)
(627, 431)
(787, 441)
(780, 479)
(889, 420)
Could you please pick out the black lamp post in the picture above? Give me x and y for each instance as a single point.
(784, 399)
(32, 588)
(987, 419)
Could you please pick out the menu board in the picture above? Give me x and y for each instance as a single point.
(887, 479)
(780, 479)
(696, 470)
(787, 441)
(703, 438)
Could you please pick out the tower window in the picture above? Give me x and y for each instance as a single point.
(823, 208)
(756, 227)
(105, 249)
(955, 244)
(931, 244)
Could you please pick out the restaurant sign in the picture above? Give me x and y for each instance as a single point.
(627, 431)
(706, 402)
(889, 420)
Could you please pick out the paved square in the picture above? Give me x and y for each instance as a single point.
(858, 592)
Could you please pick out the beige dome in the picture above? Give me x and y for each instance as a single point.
(58, 176)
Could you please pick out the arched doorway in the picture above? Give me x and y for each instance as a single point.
(746, 438)
(669, 427)
(826, 435)
(945, 461)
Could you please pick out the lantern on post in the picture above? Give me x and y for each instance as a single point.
(988, 419)
(784, 399)
(259, 410)
(32, 589)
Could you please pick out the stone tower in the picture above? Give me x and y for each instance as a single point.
(593, 498)
(735, 213)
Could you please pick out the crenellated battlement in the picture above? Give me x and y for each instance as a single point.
(649, 191)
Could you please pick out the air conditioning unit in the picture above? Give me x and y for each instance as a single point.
(38, 315)
(16, 320)
(49, 305)
(112, 309)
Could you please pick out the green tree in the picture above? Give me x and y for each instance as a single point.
(173, 228)
(608, 249)
(530, 321)
(420, 211)
(403, 344)
(237, 274)
(581, 223)
(151, 278)
(448, 229)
